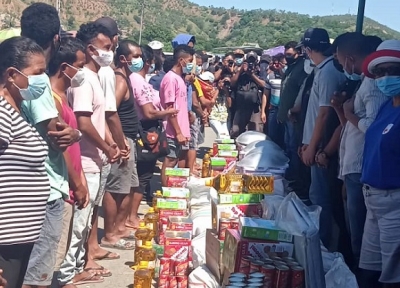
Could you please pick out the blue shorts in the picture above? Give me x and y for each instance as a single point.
(174, 148)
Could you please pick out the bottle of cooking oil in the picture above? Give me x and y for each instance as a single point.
(143, 234)
(142, 278)
(156, 195)
(151, 220)
(205, 169)
(148, 254)
(211, 152)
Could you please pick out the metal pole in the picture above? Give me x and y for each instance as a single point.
(141, 24)
(360, 16)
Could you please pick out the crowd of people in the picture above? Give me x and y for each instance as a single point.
(84, 119)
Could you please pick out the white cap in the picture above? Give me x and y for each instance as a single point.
(387, 51)
(207, 76)
(156, 45)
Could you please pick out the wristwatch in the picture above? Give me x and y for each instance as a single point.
(79, 135)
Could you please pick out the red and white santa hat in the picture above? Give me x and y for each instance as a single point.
(387, 51)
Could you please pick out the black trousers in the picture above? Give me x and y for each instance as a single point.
(14, 261)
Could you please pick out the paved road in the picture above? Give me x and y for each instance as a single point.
(122, 275)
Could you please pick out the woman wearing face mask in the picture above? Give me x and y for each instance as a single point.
(134, 62)
(24, 184)
(380, 251)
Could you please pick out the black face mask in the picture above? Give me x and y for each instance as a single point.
(290, 59)
(337, 65)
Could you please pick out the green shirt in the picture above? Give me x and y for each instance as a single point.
(291, 83)
(35, 112)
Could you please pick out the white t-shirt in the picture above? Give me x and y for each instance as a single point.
(107, 81)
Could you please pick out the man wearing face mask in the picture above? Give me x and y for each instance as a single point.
(291, 82)
(65, 70)
(356, 115)
(173, 94)
(239, 58)
(327, 80)
(41, 23)
(88, 103)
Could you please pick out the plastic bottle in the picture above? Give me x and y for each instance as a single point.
(205, 170)
(143, 234)
(156, 195)
(149, 255)
(151, 219)
(142, 278)
(211, 152)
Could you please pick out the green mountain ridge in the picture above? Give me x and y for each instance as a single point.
(212, 26)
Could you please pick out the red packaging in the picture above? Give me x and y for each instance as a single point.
(180, 223)
(182, 281)
(223, 225)
(176, 181)
(165, 266)
(269, 273)
(297, 277)
(245, 265)
(255, 266)
(163, 281)
(215, 149)
(181, 267)
(234, 223)
(173, 283)
(167, 213)
(163, 224)
(282, 277)
(178, 245)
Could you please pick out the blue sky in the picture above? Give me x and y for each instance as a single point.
(384, 11)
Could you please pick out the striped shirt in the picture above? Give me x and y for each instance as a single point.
(367, 103)
(24, 184)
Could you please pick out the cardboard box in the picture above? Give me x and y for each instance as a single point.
(262, 229)
(175, 192)
(178, 172)
(239, 198)
(225, 141)
(180, 224)
(225, 153)
(233, 211)
(214, 248)
(172, 204)
(226, 147)
(236, 247)
(178, 245)
(168, 213)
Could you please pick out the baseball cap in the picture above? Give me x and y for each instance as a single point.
(156, 45)
(387, 51)
(266, 58)
(315, 37)
(110, 24)
(238, 52)
(251, 54)
(207, 76)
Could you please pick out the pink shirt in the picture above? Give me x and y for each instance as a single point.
(74, 150)
(144, 93)
(90, 98)
(173, 90)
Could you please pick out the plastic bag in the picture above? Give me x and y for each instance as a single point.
(199, 192)
(340, 276)
(270, 206)
(199, 250)
(201, 277)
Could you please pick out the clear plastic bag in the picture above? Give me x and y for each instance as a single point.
(270, 205)
(340, 276)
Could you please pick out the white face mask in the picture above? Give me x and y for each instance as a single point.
(104, 59)
(78, 79)
(308, 67)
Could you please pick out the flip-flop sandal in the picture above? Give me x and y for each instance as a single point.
(95, 271)
(92, 279)
(131, 235)
(121, 244)
(107, 256)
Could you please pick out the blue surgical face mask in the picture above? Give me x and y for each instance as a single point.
(198, 70)
(354, 76)
(152, 68)
(389, 85)
(239, 61)
(188, 68)
(37, 84)
(136, 65)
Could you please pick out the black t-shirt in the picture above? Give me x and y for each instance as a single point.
(246, 92)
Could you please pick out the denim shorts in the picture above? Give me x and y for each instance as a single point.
(174, 148)
(43, 257)
(380, 244)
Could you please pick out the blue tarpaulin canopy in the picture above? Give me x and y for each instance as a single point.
(360, 15)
